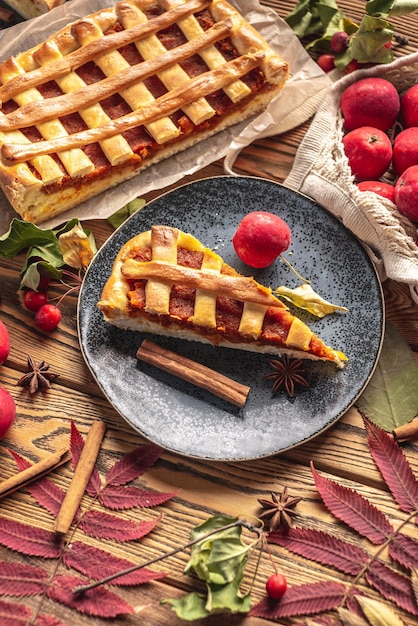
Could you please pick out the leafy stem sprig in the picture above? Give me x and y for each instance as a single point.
(237, 523)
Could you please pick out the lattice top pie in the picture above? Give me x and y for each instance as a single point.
(121, 89)
(164, 281)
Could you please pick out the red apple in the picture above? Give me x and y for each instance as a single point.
(382, 189)
(405, 150)
(7, 411)
(4, 343)
(406, 193)
(369, 152)
(260, 238)
(370, 102)
(409, 107)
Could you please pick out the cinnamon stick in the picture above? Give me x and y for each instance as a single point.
(193, 372)
(406, 432)
(35, 471)
(80, 478)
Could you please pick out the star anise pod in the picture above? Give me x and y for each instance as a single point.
(287, 373)
(38, 376)
(278, 511)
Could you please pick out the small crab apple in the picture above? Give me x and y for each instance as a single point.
(260, 238)
(409, 107)
(276, 586)
(369, 152)
(326, 62)
(370, 101)
(33, 300)
(382, 189)
(406, 193)
(339, 41)
(7, 411)
(47, 317)
(405, 150)
(4, 343)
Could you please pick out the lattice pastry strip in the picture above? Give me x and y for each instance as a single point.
(75, 161)
(136, 96)
(211, 55)
(151, 47)
(116, 149)
(48, 169)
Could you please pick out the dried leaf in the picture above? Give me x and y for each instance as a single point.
(28, 540)
(392, 586)
(77, 248)
(349, 619)
(76, 445)
(391, 397)
(394, 467)
(118, 497)
(353, 509)
(322, 548)
(133, 464)
(106, 526)
(98, 564)
(414, 582)
(98, 602)
(379, 614)
(404, 550)
(12, 614)
(304, 297)
(21, 579)
(302, 600)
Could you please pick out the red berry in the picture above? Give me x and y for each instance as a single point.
(276, 586)
(260, 238)
(326, 62)
(47, 317)
(339, 42)
(33, 300)
(7, 411)
(352, 66)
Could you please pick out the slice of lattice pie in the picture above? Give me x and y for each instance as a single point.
(121, 89)
(33, 8)
(164, 281)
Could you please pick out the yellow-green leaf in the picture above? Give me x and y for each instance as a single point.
(377, 613)
(76, 247)
(304, 297)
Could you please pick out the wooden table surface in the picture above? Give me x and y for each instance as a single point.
(204, 488)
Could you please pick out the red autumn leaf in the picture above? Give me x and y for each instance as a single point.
(350, 507)
(98, 564)
(118, 497)
(404, 550)
(12, 614)
(48, 620)
(98, 602)
(392, 585)
(44, 490)
(28, 540)
(322, 548)
(76, 445)
(105, 526)
(302, 600)
(21, 579)
(394, 467)
(133, 464)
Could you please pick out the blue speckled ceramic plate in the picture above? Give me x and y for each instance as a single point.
(186, 420)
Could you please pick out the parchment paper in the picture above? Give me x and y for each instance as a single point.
(300, 98)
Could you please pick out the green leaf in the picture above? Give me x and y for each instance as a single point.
(304, 297)
(391, 397)
(22, 235)
(189, 607)
(368, 44)
(391, 8)
(222, 597)
(117, 218)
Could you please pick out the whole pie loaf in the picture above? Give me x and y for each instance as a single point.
(122, 89)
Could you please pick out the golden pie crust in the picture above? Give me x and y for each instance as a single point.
(165, 281)
(122, 89)
(33, 8)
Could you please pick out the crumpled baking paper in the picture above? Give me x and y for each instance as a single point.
(304, 91)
